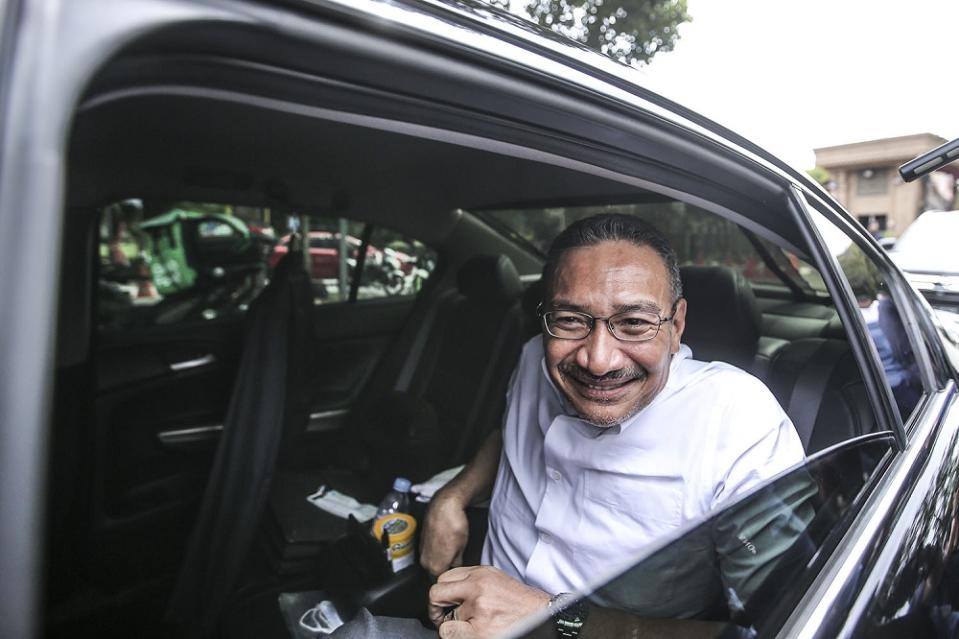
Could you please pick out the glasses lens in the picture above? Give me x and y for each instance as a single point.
(567, 324)
(634, 327)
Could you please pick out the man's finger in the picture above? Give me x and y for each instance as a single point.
(457, 630)
(451, 593)
(456, 574)
(443, 596)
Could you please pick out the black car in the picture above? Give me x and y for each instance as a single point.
(154, 474)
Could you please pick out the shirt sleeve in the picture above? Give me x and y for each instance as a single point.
(758, 441)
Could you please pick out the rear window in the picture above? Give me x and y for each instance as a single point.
(698, 237)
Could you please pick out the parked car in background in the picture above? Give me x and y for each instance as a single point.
(928, 254)
(470, 138)
(386, 267)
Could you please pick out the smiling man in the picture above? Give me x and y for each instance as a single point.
(613, 437)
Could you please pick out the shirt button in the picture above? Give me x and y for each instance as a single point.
(546, 538)
(554, 474)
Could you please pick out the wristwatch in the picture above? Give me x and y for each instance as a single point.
(569, 614)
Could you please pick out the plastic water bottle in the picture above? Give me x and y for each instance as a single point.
(397, 500)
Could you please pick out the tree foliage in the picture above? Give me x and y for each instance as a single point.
(820, 174)
(631, 31)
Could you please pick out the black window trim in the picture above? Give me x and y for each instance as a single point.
(880, 395)
(905, 305)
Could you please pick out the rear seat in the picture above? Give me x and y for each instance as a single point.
(450, 393)
(815, 379)
(818, 382)
(723, 322)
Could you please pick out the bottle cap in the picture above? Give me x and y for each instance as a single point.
(401, 484)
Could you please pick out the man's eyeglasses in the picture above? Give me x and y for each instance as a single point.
(631, 326)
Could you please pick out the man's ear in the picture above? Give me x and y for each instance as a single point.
(679, 325)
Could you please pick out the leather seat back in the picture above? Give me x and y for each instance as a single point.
(818, 383)
(722, 319)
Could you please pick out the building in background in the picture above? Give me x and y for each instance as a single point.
(865, 180)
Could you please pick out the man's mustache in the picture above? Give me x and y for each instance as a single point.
(582, 375)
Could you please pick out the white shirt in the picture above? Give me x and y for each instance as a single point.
(572, 500)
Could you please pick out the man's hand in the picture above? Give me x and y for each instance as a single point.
(445, 532)
(485, 601)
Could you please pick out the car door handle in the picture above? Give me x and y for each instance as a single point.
(192, 363)
(193, 435)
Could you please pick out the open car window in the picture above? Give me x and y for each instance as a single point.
(749, 564)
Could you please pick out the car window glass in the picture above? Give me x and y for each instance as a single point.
(750, 563)
(881, 311)
(395, 265)
(698, 237)
(166, 263)
(330, 253)
(183, 261)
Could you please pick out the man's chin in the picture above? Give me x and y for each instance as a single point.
(601, 418)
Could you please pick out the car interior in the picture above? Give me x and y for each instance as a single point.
(185, 442)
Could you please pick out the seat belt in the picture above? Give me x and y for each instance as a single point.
(405, 378)
(481, 400)
(810, 387)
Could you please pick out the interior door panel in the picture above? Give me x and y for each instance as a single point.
(161, 397)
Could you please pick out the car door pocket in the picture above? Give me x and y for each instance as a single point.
(154, 496)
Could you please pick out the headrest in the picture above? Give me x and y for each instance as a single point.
(489, 279)
(723, 320)
(532, 296)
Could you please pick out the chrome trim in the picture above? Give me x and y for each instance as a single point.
(826, 592)
(192, 363)
(189, 435)
(854, 441)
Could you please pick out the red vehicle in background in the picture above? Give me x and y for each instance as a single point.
(386, 267)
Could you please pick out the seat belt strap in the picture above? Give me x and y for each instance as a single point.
(811, 385)
(412, 361)
(512, 320)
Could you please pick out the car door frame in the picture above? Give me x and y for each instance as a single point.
(836, 602)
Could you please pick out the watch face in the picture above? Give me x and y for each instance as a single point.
(570, 614)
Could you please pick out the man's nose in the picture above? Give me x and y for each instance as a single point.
(599, 353)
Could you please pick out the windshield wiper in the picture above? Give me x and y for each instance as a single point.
(930, 161)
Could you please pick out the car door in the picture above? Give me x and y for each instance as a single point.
(172, 285)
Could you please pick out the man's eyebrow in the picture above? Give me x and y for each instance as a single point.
(566, 305)
(643, 307)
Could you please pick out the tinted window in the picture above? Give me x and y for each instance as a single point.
(698, 237)
(881, 311)
(189, 261)
(750, 564)
(182, 261)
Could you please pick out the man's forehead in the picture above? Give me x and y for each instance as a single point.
(613, 275)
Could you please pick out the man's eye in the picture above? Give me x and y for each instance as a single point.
(567, 321)
(633, 325)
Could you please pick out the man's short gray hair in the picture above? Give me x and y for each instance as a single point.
(612, 227)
